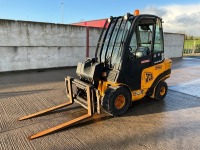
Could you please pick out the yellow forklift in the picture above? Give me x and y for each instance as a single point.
(129, 64)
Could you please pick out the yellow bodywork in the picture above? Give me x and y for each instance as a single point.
(148, 77)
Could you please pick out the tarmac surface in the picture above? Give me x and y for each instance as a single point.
(173, 123)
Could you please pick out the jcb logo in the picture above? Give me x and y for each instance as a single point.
(148, 77)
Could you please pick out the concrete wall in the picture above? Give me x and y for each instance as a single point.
(33, 45)
(173, 45)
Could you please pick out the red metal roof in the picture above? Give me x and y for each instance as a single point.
(93, 23)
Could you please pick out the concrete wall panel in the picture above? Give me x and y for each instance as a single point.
(173, 44)
(16, 33)
(23, 58)
(94, 34)
(92, 51)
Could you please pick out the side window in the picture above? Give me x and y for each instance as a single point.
(158, 44)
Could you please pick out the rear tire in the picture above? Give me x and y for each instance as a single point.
(116, 100)
(161, 90)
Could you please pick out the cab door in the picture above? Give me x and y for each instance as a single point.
(141, 50)
(158, 47)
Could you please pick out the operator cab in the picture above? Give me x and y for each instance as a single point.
(127, 45)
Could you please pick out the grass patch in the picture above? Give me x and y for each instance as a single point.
(191, 42)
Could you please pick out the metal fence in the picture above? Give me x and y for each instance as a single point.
(191, 49)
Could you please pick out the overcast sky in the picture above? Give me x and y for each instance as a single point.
(178, 18)
(178, 15)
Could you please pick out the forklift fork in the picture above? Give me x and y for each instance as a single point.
(89, 105)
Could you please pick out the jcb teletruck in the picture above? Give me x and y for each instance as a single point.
(129, 64)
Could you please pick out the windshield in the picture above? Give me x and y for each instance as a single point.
(109, 49)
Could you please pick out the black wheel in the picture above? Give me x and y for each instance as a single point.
(161, 90)
(116, 100)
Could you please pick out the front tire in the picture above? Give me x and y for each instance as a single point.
(116, 100)
(161, 90)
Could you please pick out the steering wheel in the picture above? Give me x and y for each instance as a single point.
(130, 48)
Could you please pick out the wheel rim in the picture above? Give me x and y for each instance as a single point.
(162, 91)
(119, 101)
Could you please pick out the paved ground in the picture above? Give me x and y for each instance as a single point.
(186, 76)
(149, 124)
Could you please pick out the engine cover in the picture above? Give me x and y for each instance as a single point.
(90, 70)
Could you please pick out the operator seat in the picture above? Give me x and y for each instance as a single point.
(142, 51)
